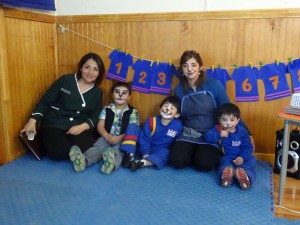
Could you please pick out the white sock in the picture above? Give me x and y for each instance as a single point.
(144, 161)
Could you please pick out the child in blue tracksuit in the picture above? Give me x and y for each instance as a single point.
(154, 141)
(237, 160)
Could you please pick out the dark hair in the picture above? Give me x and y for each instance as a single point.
(229, 109)
(99, 62)
(187, 55)
(121, 84)
(173, 100)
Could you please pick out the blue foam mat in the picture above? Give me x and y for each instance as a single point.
(47, 192)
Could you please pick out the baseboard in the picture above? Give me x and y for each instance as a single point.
(265, 157)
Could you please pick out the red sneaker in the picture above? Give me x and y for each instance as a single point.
(227, 176)
(243, 178)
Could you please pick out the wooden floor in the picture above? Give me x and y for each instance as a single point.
(290, 199)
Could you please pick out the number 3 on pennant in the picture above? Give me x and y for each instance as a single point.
(161, 79)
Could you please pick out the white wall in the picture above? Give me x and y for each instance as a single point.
(89, 7)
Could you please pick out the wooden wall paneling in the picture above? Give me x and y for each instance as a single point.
(256, 109)
(267, 59)
(295, 43)
(5, 101)
(65, 43)
(32, 68)
(219, 43)
(257, 52)
(275, 28)
(248, 113)
(206, 48)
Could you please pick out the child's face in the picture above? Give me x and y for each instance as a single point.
(168, 111)
(121, 95)
(228, 122)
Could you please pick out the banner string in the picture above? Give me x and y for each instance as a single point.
(63, 29)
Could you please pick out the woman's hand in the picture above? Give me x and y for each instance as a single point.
(78, 129)
(30, 126)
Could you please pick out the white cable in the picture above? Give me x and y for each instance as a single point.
(63, 29)
(293, 211)
(66, 29)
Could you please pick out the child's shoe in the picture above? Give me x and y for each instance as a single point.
(108, 161)
(227, 176)
(77, 158)
(136, 164)
(243, 178)
(127, 159)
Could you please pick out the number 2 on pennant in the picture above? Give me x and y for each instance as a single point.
(143, 76)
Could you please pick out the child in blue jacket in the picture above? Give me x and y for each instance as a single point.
(154, 141)
(237, 160)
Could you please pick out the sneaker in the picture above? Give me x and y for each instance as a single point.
(127, 159)
(243, 178)
(227, 176)
(136, 164)
(77, 158)
(108, 161)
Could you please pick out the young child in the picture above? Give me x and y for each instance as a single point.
(155, 139)
(114, 119)
(236, 145)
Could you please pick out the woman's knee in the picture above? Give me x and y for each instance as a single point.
(207, 158)
(180, 156)
(57, 155)
(178, 163)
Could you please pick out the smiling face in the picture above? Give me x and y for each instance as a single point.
(168, 111)
(89, 71)
(191, 69)
(228, 122)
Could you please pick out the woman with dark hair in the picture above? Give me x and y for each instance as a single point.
(69, 110)
(200, 96)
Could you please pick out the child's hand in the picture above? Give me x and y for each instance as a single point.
(238, 161)
(224, 133)
(115, 139)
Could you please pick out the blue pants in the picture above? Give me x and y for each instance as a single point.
(248, 166)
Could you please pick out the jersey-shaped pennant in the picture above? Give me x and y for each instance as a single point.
(275, 83)
(246, 89)
(142, 77)
(220, 74)
(294, 70)
(162, 78)
(120, 63)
